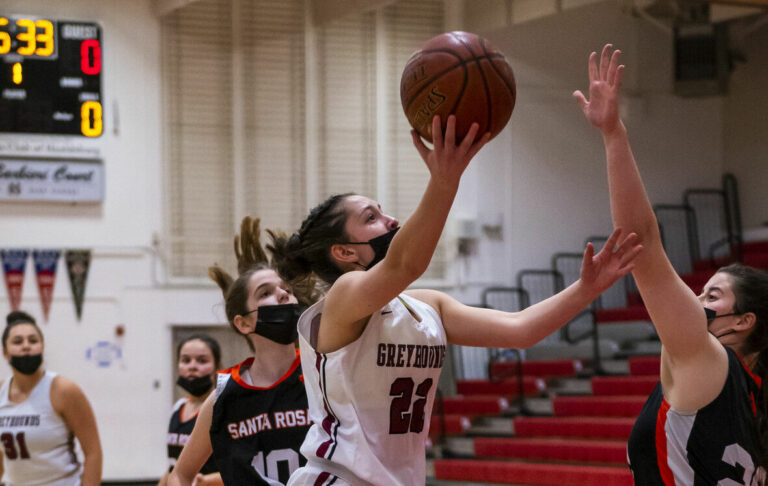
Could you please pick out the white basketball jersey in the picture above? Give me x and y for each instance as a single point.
(370, 402)
(37, 446)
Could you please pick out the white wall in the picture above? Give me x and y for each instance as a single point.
(543, 177)
(132, 397)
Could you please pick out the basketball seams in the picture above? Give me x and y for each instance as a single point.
(512, 91)
(489, 104)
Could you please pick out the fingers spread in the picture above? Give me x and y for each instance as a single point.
(605, 58)
(469, 138)
(450, 131)
(580, 99)
(419, 144)
(592, 65)
(610, 245)
(613, 66)
(619, 73)
(437, 132)
(475, 148)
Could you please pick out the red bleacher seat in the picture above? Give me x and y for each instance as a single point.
(506, 472)
(585, 427)
(475, 405)
(624, 385)
(607, 406)
(550, 368)
(507, 387)
(645, 365)
(549, 449)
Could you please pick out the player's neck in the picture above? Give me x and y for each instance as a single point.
(270, 361)
(24, 384)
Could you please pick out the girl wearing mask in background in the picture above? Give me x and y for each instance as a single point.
(41, 413)
(198, 357)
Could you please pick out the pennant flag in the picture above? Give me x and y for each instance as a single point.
(45, 269)
(78, 262)
(14, 264)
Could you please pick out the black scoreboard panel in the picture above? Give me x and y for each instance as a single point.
(50, 76)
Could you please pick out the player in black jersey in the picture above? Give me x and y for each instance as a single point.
(198, 357)
(704, 424)
(255, 422)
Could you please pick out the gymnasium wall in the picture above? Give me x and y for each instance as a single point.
(542, 180)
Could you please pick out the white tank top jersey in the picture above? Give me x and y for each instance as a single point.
(36, 444)
(370, 401)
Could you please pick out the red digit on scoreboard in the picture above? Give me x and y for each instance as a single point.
(90, 56)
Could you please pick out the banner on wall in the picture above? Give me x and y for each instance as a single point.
(78, 262)
(14, 265)
(45, 270)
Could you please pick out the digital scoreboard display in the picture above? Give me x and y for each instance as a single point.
(50, 76)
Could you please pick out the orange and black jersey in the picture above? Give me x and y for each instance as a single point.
(715, 445)
(256, 433)
(178, 435)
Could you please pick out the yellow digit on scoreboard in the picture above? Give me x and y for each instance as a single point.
(5, 38)
(28, 37)
(91, 128)
(45, 38)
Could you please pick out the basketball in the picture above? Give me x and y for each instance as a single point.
(462, 74)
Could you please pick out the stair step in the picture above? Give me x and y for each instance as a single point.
(551, 449)
(475, 405)
(509, 472)
(758, 260)
(755, 247)
(611, 406)
(583, 427)
(550, 368)
(532, 386)
(634, 313)
(645, 365)
(624, 385)
(455, 424)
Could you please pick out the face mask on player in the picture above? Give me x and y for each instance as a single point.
(278, 322)
(27, 364)
(380, 246)
(197, 386)
(712, 315)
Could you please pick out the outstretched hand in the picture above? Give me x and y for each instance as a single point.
(601, 271)
(447, 160)
(602, 107)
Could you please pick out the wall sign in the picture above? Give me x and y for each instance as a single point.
(47, 180)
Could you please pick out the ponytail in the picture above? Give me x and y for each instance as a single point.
(309, 250)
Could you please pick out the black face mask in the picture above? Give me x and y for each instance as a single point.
(712, 315)
(380, 246)
(197, 386)
(278, 322)
(27, 364)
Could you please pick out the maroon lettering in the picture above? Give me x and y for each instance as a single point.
(382, 354)
(391, 355)
(400, 352)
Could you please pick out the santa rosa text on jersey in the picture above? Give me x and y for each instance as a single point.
(280, 420)
(410, 355)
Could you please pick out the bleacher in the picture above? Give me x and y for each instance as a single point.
(560, 413)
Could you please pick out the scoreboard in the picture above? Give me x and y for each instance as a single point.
(50, 76)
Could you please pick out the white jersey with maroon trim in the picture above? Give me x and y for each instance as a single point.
(713, 446)
(38, 448)
(370, 401)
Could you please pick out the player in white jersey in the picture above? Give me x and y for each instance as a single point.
(41, 414)
(371, 351)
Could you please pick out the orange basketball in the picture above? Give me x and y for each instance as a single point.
(462, 74)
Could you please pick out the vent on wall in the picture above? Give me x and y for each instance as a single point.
(702, 63)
